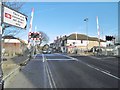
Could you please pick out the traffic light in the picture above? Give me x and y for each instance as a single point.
(109, 38)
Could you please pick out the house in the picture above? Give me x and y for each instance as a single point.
(83, 42)
(13, 45)
(79, 42)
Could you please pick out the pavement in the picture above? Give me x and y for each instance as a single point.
(12, 63)
(63, 71)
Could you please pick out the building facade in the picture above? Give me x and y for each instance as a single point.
(77, 42)
(13, 46)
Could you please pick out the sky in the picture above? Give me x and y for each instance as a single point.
(63, 18)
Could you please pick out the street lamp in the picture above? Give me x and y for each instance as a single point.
(86, 20)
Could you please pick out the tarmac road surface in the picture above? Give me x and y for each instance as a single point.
(62, 71)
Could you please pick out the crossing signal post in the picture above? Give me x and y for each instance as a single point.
(34, 36)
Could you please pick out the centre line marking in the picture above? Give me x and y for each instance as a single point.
(51, 76)
(48, 77)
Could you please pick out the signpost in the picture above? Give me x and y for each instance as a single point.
(1, 74)
(14, 18)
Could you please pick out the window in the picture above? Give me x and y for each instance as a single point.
(73, 43)
(81, 41)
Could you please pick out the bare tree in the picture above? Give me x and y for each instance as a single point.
(44, 38)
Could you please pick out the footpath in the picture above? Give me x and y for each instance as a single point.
(11, 64)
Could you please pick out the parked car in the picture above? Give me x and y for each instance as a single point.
(46, 51)
(96, 50)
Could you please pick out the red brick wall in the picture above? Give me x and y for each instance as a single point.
(12, 47)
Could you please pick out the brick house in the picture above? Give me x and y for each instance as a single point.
(13, 45)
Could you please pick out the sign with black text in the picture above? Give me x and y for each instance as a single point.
(0, 17)
(14, 18)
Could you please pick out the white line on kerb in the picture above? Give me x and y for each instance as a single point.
(107, 73)
(11, 73)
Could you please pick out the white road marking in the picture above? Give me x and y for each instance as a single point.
(94, 57)
(60, 59)
(11, 73)
(43, 57)
(47, 71)
(68, 57)
(35, 55)
(103, 71)
(108, 57)
(51, 77)
(97, 68)
(48, 77)
(37, 59)
(44, 76)
(100, 58)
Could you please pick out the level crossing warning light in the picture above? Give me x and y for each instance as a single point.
(34, 35)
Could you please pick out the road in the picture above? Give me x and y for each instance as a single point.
(63, 71)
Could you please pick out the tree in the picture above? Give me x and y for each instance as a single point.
(45, 47)
(44, 38)
(16, 6)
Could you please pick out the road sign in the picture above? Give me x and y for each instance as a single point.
(14, 18)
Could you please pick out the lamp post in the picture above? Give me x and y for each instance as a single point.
(86, 20)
